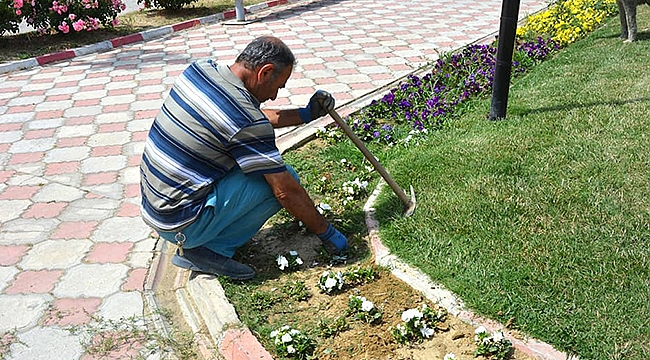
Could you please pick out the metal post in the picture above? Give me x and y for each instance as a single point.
(505, 48)
(240, 12)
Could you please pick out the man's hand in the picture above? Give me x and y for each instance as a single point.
(319, 105)
(333, 240)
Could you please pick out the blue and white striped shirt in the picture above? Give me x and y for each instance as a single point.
(208, 125)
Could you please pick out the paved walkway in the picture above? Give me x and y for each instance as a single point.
(72, 244)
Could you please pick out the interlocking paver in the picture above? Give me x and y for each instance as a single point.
(122, 229)
(55, 254)
(7, 274)
(89, 209)
(46, 343)
(72, 134)
(10, 254)
(109, 252)
(44, 210)
(19, 312)
(91, 280)
(122, 305)
(34, 282)
(71, 311)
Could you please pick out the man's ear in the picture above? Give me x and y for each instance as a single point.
(265, 73)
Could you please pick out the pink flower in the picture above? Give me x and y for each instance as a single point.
(92, 24)
(18, 4)
(64, 27)
(72, 17)
(115, 21)
(78, 25)
(18, 12)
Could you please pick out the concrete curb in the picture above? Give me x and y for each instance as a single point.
(133, 38)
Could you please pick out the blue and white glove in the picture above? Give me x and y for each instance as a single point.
(319, 105)
(333, 241)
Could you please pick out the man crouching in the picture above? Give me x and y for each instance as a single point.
(211, 174)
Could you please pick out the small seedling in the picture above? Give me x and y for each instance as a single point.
(329, 328)
(296, 290)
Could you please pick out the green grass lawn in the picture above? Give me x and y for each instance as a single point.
(544, 216)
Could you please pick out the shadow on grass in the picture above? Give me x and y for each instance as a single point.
(560, 107)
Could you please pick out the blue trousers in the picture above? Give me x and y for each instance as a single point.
(236, 208)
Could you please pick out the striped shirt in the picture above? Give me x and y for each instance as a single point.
(208, 125)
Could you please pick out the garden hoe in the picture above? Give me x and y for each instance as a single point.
(409, 204)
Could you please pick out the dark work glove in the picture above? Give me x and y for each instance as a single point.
(319, 105)
(333, 241)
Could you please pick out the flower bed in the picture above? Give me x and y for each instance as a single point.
(372, 318)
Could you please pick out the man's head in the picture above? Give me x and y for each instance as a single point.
(269, 63)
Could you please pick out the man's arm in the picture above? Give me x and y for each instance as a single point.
(282, 118)
(293, 197)
(319, 105)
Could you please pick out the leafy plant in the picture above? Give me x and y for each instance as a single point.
(491, 345)
(107, 337)
(565, 21)
(417, 324)
(360, 275)
(296, 290)
(330, 281)
(292, 343)
(329, 328)
(289, 261)
(263, 300)
(363, 309)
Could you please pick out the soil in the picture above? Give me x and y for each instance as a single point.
(361, 340)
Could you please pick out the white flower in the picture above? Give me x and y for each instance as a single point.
(291, 349)
(480, 329)
(285, 328)
(274, 333)
(282, 262)
(330, 283)
(325, 206)
(497, 336)
(410, 314)
(366, 305)
(294, 332)
(323, 179)
(450, 356)
(286, 338)
(293, 253)
(298, 261)
(426, 332)
(343, 161)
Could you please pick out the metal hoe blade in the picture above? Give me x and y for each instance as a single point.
(409, 204)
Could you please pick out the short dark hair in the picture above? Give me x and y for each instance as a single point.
(267, 50)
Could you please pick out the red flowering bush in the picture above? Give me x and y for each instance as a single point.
(8, 19)
(63, 16)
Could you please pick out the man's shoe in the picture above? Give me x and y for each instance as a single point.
(204, 260)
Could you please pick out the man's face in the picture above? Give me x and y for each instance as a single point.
(268, 86)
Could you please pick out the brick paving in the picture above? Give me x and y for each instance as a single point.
(72, 244)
